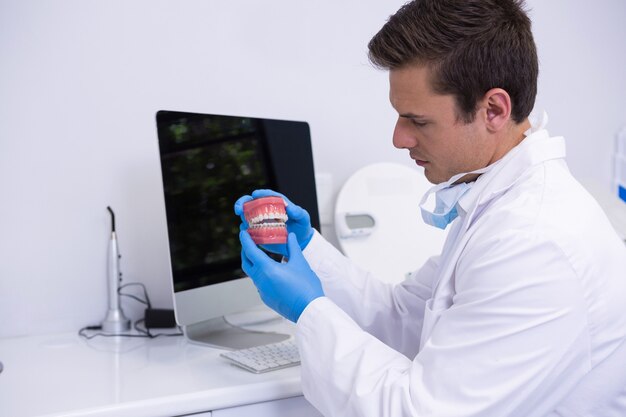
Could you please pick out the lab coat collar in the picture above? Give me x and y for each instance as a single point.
(536, 148)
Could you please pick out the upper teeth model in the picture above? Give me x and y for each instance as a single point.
(266, 217)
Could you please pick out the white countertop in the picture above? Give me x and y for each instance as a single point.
(66, 375)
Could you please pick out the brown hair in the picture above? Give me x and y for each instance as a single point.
(471, 45)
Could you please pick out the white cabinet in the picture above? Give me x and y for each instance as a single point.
(288, 407)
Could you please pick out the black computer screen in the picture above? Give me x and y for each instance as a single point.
(208, 162)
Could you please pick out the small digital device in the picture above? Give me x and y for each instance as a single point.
(208, 161)
(352, 224)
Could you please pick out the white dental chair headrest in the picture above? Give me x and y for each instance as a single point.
(378, 222)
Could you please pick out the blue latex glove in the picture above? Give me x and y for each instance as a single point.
(298, 220)
(286, 288)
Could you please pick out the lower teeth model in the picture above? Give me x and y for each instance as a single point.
(266, 217)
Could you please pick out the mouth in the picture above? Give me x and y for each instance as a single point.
(266, 218)
(418, 161)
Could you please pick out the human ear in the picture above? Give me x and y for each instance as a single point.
(498, 109)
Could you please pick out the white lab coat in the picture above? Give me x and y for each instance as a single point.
(528, 295)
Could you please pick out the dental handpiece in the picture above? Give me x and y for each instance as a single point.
(114, 266)
(115, 321)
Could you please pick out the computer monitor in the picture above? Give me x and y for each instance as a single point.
(207, 162)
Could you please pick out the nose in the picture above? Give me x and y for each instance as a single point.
(402, 137)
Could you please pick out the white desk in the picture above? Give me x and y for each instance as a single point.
(65, 375)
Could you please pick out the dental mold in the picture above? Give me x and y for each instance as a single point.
(266, 217)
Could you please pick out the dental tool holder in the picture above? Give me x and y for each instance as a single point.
(115, 321)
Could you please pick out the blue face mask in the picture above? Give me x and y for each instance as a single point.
(447, 196)
(445, 205)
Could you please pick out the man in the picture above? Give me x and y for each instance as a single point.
(528, 294)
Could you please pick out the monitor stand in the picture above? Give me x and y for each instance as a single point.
(219, 333)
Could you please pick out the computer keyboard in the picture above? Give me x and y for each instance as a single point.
(265, 358)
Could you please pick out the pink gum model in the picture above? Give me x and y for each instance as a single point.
(266, 217)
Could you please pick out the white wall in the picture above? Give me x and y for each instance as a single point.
(582, 82)
(80, 82)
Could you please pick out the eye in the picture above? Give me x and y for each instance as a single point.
(418, 123)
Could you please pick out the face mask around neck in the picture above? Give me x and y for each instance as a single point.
(447, 195)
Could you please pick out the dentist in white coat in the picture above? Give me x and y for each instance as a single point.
(529, 292)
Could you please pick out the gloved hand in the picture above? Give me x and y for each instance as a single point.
(298, 220)
(286, 288)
